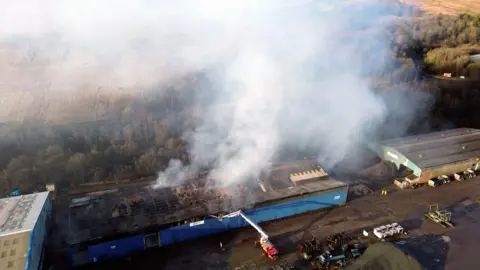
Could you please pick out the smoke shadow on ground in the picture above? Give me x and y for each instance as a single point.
(285, 242)
(431, 250)
(464, 209)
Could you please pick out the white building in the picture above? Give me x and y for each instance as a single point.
(23, 228)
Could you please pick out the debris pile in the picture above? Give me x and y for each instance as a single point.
(337, 250)
(190, 195)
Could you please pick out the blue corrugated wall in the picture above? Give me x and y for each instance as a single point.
(38, 234)
(116, 248)
(122, 247)
(211, 226)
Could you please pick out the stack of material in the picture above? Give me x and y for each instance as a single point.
(388, 230)
(385, 256)
(307, 175)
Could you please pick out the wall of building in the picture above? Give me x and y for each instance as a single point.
(14, 250)
(38, 237)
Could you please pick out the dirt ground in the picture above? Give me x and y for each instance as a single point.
(451, 7)
(404, 206)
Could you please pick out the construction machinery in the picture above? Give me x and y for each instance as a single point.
(435, 182)
(465, 175)
(268, 248)
(442, 217)
(444, 179)
(328, 259)
(337, 251)
(417, 185)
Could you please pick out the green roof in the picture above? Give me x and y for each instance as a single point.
(438, 148)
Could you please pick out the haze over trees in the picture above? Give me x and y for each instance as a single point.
(100, 137)
(443, 43)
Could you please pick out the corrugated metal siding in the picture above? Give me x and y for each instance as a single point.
(297, 197)
(394, 156)
(296, 207)
(116, 248)
(35, 253)
(211, 226)
(188, 232)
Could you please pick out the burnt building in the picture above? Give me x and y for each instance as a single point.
(115, 223)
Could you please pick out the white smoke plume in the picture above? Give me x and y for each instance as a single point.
(288, 72)
(296, 76)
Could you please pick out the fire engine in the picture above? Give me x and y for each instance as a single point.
(268, 248)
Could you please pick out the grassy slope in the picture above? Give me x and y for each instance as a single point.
(447, 6)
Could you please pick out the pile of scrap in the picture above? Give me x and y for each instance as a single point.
(193, 196)
(337, 251)
(338, 240)
(383, 255)
(309, 248)
(442, 217)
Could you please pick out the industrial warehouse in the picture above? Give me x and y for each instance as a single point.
(103, 226)
(24, 225)
(445, 154)
(119, 222)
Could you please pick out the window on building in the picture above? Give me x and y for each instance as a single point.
(4, 254)
(10, 264)
(6, 243)
(13, 252)
(15, 241)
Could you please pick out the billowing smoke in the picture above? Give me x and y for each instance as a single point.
(296, 78)
(286, 73)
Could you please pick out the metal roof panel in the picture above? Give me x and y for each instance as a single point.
(438, 148)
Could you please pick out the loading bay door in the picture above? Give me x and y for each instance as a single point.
(151, 240)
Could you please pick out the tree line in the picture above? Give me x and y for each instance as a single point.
(128, 138)
(442, 43)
